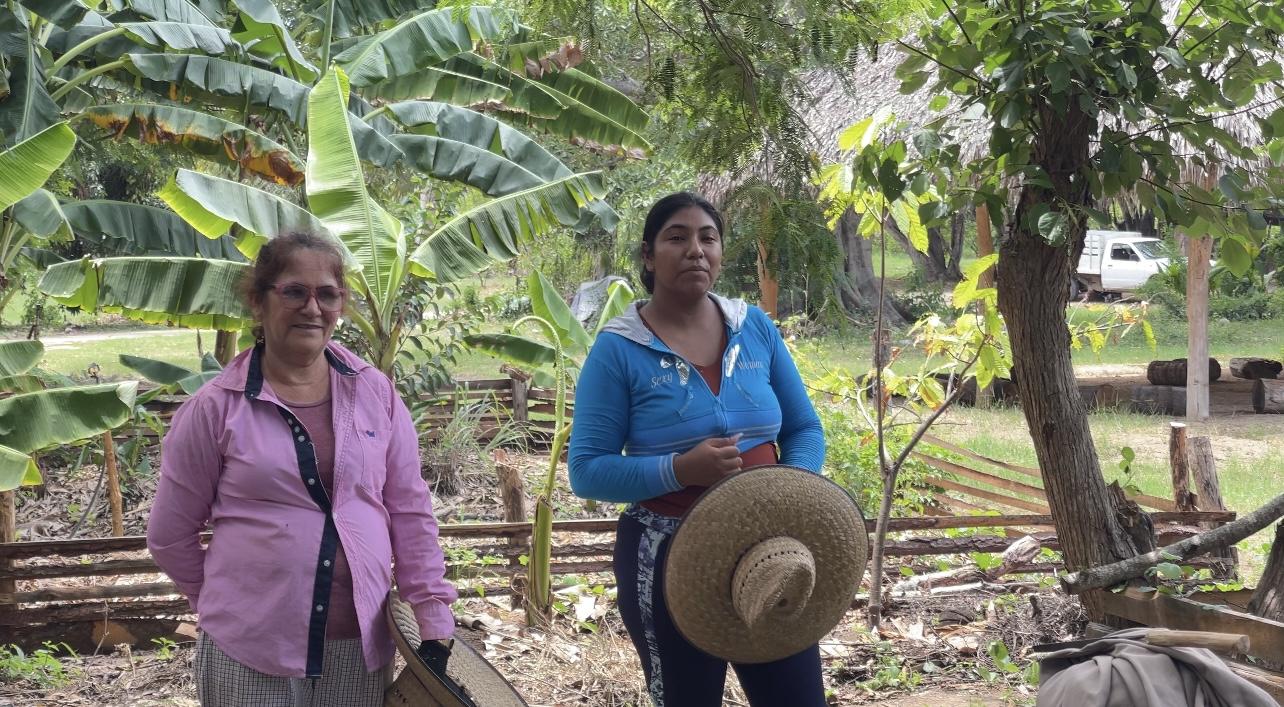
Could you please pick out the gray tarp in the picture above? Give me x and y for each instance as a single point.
(1122, 670)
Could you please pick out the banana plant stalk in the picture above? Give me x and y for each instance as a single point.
(539, 569)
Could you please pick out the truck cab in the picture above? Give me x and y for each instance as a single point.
(1117, 262)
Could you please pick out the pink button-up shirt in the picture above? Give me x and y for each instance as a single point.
(230, 459)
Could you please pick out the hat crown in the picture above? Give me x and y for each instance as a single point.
(774, 578)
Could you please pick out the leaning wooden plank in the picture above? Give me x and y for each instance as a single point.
(1269, 680)
(938, 442)
(1222, 536)
(1266, 637)
(988, 495)
(992, 480)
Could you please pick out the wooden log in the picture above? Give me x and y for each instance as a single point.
(98, 610)
(99, 591)
(8, 534)
(1213, 641)
(1179, 466)
(1158, 400)
(1099, 396)
(519, 387)
(1229, 534)
(104, 568)
(1174, 372)
(1255, 368)
(1268, 396)
(113, 486)
(1203, 467)
(1266, 637)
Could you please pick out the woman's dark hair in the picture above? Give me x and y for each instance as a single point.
(660, 213)
(274, 258)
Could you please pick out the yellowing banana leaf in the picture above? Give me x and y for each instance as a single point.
(28, 109)
(212, 204)
(35, 421)
(21, 384)
(498, 229)
(184, 77)
(18, 357)
(190, 292)
(202, 134)
(260, 27)
(337, 195)
(119, 227)
(421, 41)
(40, 214)
(353, 16)
(17, 469)
(26, 166)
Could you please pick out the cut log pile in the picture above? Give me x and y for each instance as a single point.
(1174, 372)
(1268, 396)
(1255, 368)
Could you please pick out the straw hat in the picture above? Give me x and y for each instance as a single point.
(417, 686)
(765, 563)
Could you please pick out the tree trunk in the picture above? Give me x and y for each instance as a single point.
(958, 236)
(923, 263)
(225, 346)
(768, 287)
(1268, 599)
(1032, 276)
(858, 286)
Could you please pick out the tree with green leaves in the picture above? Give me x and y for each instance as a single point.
(1087, 101)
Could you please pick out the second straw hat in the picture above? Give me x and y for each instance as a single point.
(765, 564)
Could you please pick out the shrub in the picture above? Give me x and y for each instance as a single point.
(851, 460)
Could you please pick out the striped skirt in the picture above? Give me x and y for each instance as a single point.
(223, 682)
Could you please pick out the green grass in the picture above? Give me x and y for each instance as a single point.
(73, 359)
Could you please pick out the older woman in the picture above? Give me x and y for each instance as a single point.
(304, 461)
(677, 393)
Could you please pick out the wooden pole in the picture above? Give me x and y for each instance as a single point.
(1203, 467)
(113, 487)
(8, 534)
(1179, 462)
(512, 491)
(1199, 250)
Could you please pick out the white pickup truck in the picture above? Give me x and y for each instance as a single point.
(1117, 262)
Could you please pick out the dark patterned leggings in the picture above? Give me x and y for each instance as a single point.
(677, 673)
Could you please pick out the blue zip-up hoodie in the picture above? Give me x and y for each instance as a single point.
(638, 405)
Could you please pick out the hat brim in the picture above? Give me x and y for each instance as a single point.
(734, 515)
(417, 686)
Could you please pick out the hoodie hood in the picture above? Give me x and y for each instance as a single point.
(630, 325)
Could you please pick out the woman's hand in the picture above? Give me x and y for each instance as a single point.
(708, 462)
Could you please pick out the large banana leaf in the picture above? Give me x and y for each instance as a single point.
(120, 227)
(514, 349)
(374, 144)
(260, 27)
(170, 376)
(180, 37)
(18, 357)
(440, 84)
(477, 129)
(618, 298)
(17, 469)
(549, 306)
(421, 41)
(202, 12)
(350, 16)
(40, 214)
(204, 135)
(337, 193)
(212, 204)
(497, 229)
(188, 292)
(27, 109)
(183, 76)
(35, 421)
(64, 13)
(26, 166)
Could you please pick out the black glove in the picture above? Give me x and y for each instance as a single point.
(436, 654)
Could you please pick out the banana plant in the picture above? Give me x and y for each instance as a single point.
(29, 212)
(574, 341)
(200, 292)
(49, 416)
(171, 378)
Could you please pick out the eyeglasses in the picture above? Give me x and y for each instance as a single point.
(295, 295)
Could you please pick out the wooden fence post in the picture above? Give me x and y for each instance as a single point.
(1204, 468)
(518, 380)
(512, 491)
(113, 486)
(8, 534)
(1178, 460)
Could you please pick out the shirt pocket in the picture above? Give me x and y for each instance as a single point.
(371, 446)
